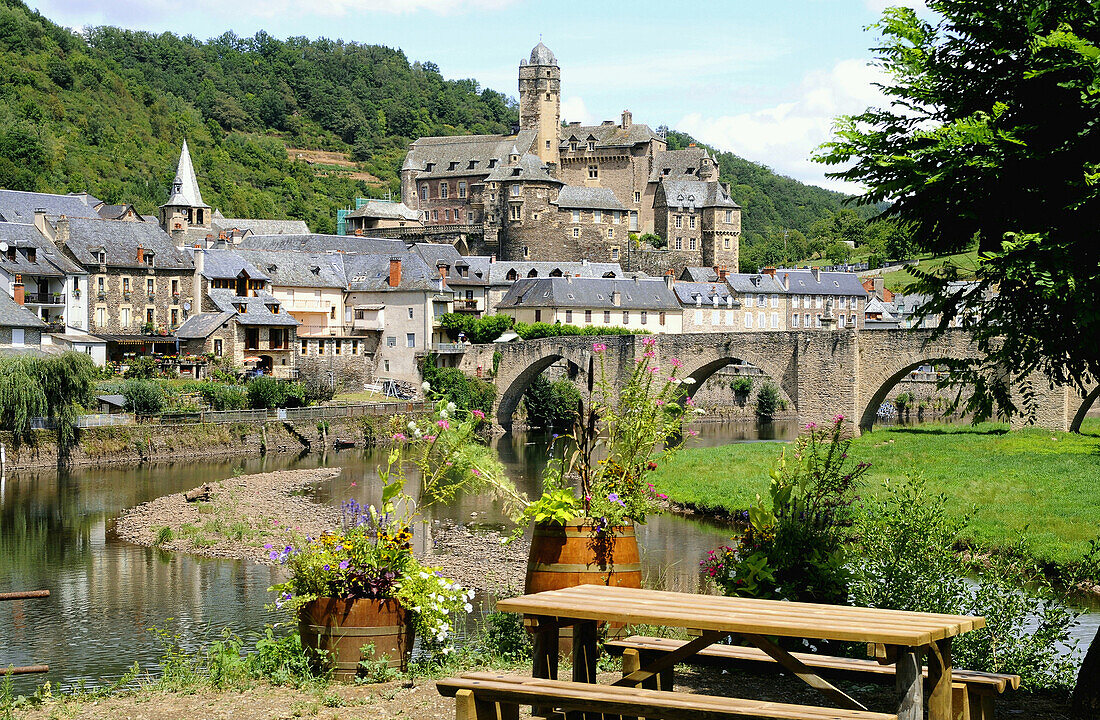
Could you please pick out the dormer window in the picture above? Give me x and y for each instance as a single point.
(472, 165)
(492, 163)
(430, 167)
(241, 307)
(273, 308)
(11, 254)
(591, 145)
(453, 166)
(573, 146)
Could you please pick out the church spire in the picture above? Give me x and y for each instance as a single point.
(185, 188)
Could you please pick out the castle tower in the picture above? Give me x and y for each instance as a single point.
(185, 209)
(540, 100)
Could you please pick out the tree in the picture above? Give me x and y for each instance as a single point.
(991, 134)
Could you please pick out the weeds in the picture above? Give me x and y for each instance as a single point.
(373, 669)
(164, 535)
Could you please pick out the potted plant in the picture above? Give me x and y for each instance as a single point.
(583, 524)
(360, 588)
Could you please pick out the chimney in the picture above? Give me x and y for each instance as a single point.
(769, 271)
(569, 279)
(786, 281)
(61, 231)
(492, 258)
(723, 272)
(395, 272)
(628, 119)
(616, 298)
(817, 273)
(442, 274)
(879, 285)
(670, 279)
(634, 277)
(18, 293)
(40, 222)
(141, 254)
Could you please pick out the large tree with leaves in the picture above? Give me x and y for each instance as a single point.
(992, 132)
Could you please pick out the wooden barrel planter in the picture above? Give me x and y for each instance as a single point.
(336, 630)
(576, 554)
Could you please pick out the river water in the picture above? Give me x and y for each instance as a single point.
(57, 532)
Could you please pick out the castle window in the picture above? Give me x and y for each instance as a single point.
(591, 145)
(691, 243)
(462, 192)
(424, 191)
(597, 216)
(427, 215)
(729, 216)
(447, 215)
(435, 215)
(573, 146)
(616, 216)
(614, 253)
(726, 243)
(527, 254)
(610, 233)
(593, 172)
(679, 221)
(637, 196)
(443, 190)
(515, 191)
(634, 219)
(453, 166)
(576, 232)
(548, 97)
(516, 212)
(547, 144)
(691, 222)
(576, 216)
(679, 243)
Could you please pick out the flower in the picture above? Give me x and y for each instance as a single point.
(443, 424)
(598, 347)
(443, 414)
(649, 354)
(676, 362)
(689, 381)
(811, 426)
(425, 386)
(344, 564)
(614, 497)
(399, 437)
(412, 425)
(451, 407)
(478, 414)
(649, 342)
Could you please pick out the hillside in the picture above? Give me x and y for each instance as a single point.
(277, 128)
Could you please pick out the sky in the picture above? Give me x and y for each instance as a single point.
(762, 79)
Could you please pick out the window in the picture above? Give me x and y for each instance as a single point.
(424, 192)
(516, 212)
(644, 314)
(587, 317)
(748, 319)
(125, 284)
(637, 196)
(661, 318)
(576, 216)
(852, 320)
(616, 216)
(576, 232)
(760, 320)
(175, 288)
(443, 190)
(729, 317)
(354, 347)
(775, 320)
(410, 313)
(526, 252)
(304, 347)
(568, 316)
(538, 315)
(252, 338)
(634, 219)
(591, 145)
(679, 221)
(679, 243)
(391, 341)
(175, 314)
(386, 363)
(124, 317)
(748, 301)
(715, 317)
(410, 339)
(149, 288)
(435, 215)
(447, 215)
(335, 346)
(794, 301)
(593, 172)
(691, 243)
(775, 300)
(101, 284)
(606, 317)
(321, 346)
(597, 216)
(150, 316)
(698, 317)
(573, 146)
(217, 347)
(691, 222)
(760, 301)
(515, 190)
(729, 216)
(794, 320)
(101, 317)
(548, 142)
(626, 317)
(615, 253)
(726, 244)
(817, 301)
(840, 321)
(806, 320)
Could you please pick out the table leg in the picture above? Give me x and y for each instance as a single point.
(939, 680)
(545, 656)
(909, 683)
(585, 650)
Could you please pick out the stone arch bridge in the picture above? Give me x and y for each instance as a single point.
(820, 373)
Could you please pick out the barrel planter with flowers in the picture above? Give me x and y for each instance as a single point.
(336, 631)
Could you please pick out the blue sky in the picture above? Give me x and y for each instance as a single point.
(761, 79)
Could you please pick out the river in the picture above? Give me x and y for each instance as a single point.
(57, 532)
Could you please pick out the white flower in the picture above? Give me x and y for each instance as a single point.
(688, 381)
(470, 594)
(424, 575)
(412, 425)
(469, 607)
(425, 386)
(446, 611)
(447, 651)
(443, 414)
(451, 407)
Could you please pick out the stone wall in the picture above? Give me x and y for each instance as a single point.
(171, 289)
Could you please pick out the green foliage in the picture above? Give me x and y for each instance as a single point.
(316, 388)
(467, 393)
(768, 402)
(480, 330)
(551, 404)
(224, 397)
(164, 535)
(506, 637)
(373, 668)
(533, 331)
(656, 241)
(991, 134)
(141, 368)
(57, 388)
(144, 397)
(742, 386)
(903, 400)
(267, 392)
(22, 398)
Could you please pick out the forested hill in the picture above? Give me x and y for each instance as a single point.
(107, 112)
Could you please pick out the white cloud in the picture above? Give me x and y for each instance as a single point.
(783, 136)
(573, 109)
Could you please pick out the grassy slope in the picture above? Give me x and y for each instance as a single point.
(898, 280)
(1045, 483)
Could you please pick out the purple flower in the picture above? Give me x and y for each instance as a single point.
(344, 564)
(614, 497)
(267, 546)
(274, 555)
(478, 414)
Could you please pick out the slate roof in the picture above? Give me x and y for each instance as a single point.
(698, 274)
(692, 193)
(461, 149)
(588, 198)
(384, 209)
(49, 261)
(754, 283)
(802, 282)
(114, 212)
(609, 135)
(498, 271)
(641, 294)
(120, 240)
(371, 273)
(477, 266)
(541, 55)
(200, 325)
(257, 312)
(530, 167)
(688, 293)
(12, 314)
(18, 207)
(874, 305)
(185, 187)
(261, 227)
(674, 164)
(228, 264)
(288, 268)
(322, 243)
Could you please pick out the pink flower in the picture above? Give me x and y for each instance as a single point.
(598, 347)
(353, 484)
(690, 402)
(811, 426)
(649, 354)
(399, 437)
(660, 403)
(653, 370)
(478, 414)
(676, 362)
(662, 496)
(648, 341)
(429, 438)
(838, 418)
(693, 433)
(476, 472)
(443, 424)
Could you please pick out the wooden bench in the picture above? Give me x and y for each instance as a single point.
(973, 691)
(489, 696)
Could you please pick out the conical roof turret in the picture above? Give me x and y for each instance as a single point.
(541, 55)
(185, 187)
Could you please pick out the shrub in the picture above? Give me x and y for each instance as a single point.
(224, 397)
(742, 386)
(551, 404)
(267, 392)
(141, 368)
(455, 386)
(505, 637)
(768, 402)
(534, 331)
(317, 388)
(903, 401)
(477, 330)
(144, 397)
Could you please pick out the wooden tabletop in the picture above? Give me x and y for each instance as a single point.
(743, 615)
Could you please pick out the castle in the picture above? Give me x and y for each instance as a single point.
(570, 192)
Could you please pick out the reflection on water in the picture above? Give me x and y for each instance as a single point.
(57, 532)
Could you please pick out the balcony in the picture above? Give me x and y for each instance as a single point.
(47, 298)
(330, 330)
(448, 348)
(468, 305)
(367, 323)
(306, 305)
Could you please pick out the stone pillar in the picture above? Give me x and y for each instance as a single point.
(1054, 407)
(828, 382)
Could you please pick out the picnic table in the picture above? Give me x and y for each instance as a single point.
(903, 637)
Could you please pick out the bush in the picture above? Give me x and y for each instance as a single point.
(742, 386)
(455, 386)
(265, 392)
(224, 397)
(533, 331)
(144, 397)
(141, 368)
(768, 402)
(902, 401)
(505, 637)
(317, 388)
(551, 404)
(477, 330)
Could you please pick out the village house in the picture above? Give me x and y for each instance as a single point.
(20, 329)
(38, 276)
(637, 303)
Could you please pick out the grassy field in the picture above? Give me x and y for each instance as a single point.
(898, 280)
(1042, 483)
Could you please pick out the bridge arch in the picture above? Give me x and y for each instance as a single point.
(522, 362)
(1086, 403)
(869, 414)
(704, 371)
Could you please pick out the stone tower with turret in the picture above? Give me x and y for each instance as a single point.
(185, 215)
(540, 100)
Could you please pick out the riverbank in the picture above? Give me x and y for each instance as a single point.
(1034, 482)
(248, 516)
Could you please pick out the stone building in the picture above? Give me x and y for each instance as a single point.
(708, 307)
(20, 329)
(38, 276)
(572, 192)
(184, 215)
(636, 303)
(380, 215)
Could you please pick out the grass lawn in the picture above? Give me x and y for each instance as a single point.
(897, 280)
(1045, 483)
